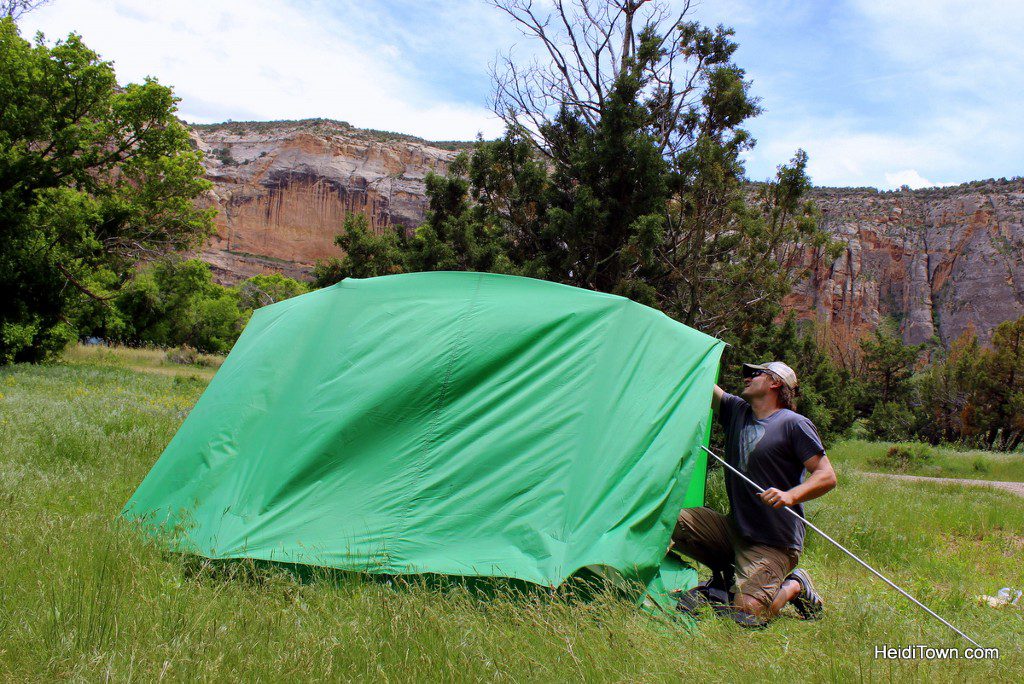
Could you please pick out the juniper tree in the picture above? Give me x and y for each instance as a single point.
(947, 392)
(639, 116)
(1000, 394)
(621, 170)
(888, 366)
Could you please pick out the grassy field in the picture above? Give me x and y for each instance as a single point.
(974, 465)
(145, 360)
(82, 598)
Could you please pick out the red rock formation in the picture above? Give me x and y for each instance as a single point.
(936, 260)
(283, 190)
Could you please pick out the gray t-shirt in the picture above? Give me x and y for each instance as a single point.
(772, 453)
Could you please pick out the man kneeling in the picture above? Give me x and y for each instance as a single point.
(773, 445)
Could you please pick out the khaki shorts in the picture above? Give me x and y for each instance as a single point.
(712, 539)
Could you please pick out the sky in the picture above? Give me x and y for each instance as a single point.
(879, 93)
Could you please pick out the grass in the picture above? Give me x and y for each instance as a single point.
(83, 598)
(145, 360)
(947, 462)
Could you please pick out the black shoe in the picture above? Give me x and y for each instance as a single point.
(714, 592)
(692, 601)
(808, 603)
(741, 618)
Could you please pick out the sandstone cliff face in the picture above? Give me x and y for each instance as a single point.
(938, 261)
(283, 190)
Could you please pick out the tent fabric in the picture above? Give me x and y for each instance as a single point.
(455, 423)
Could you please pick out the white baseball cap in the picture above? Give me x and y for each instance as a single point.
(785, 373)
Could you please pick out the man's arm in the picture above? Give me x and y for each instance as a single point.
(716, 398)
(821, 479)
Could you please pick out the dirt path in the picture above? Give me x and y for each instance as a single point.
(1014, 487)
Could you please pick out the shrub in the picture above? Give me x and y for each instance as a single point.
(189, 382)
(890, 422)
(223, 155)
(19, 339)
(905, 457)
(184, 355)
(265, 289)
(176, 302)
(859, 430)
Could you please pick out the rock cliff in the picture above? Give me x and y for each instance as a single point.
(283, 189)
(936, 260)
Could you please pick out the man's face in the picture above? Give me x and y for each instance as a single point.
(760, 383)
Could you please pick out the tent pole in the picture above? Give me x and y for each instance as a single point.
(842, 548)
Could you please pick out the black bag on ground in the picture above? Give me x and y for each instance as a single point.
(714, 592)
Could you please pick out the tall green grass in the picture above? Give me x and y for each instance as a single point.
(146, 359)
(972, 464)
(83, 598)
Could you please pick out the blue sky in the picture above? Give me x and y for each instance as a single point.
(879, 93)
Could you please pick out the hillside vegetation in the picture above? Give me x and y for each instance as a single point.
(82, 597)
(941, 461)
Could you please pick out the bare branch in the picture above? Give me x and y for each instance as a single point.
(16, 8)
(79, 285)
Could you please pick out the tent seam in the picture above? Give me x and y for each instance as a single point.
(445, 384)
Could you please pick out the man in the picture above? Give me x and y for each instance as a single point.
(773, 445)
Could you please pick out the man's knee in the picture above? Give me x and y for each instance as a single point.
(683, 531)
(691, 525)
(761, 571)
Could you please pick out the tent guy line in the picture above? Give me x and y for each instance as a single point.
(842, 548)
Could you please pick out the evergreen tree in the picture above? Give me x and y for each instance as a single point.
(1000, 395)
(947, 391)
(458, 234)
(888, 366)
(640, 121)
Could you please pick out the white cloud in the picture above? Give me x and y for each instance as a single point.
(969, 54)
(842, 153)
(932, 86)
(952, 34)
(868, 88)
(841, 157)
(911, 178)
(261, 59)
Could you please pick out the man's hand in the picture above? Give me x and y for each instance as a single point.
(776, 498)
(821, 478)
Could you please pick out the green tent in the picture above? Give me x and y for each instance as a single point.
(455, 423)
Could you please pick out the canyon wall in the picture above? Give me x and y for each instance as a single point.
(283, 189)
(938, 261)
